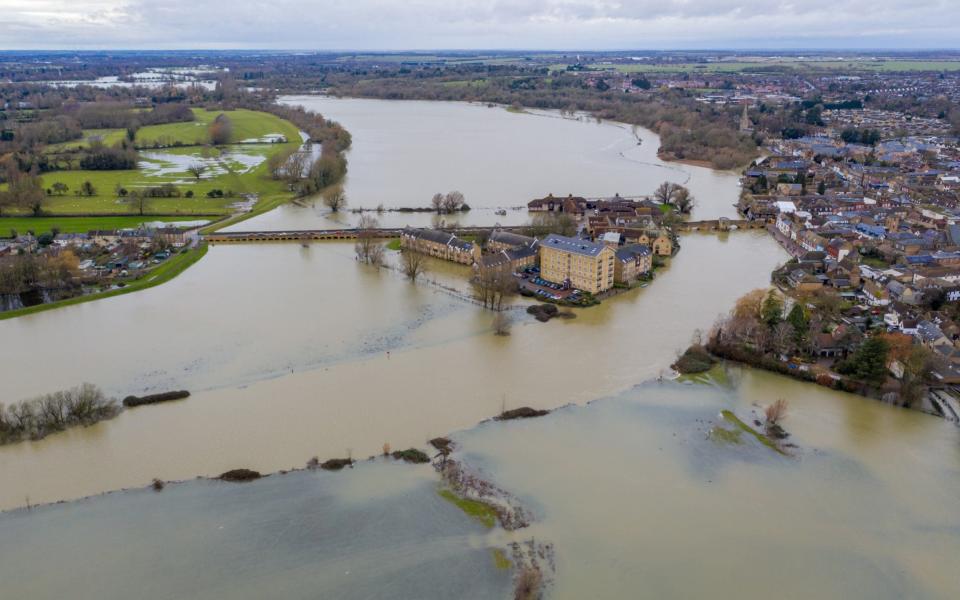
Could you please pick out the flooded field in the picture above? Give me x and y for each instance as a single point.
(379, 530)
(304, 345)
(404, 152)
(292, 352)
(639, 501)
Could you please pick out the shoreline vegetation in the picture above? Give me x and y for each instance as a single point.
(161, 274)
(532, 562)
(761, 333)
(36, 418)
(37, 175)
(131, 401)
(688, 130)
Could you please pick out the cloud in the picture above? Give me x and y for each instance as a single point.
(465, 24)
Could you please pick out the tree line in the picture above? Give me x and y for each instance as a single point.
(38, 417)
(688, 129)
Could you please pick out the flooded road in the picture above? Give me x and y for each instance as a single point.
(405, 152)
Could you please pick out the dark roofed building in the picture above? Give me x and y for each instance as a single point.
(440, 244)
(506, 240)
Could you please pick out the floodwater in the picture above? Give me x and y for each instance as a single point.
(638, 501)
(405, 152)
(292, 352)
(378, 530)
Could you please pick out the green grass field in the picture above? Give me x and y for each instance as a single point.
(40, 225)
(237, 167)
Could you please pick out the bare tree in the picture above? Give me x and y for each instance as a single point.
(542, 224)
(197, 170)
(138, 201)
(683, 199)
(296, 166)
(368, 247)
(501, 323)
(776, 412)
(782, 337)
(437, 202)
(453, 202)
(277, 163)
(335, 199)
(413, 264)
(494, 284)
(664, 192)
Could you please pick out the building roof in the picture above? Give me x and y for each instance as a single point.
(439, 237)
(611, 237)
(573, 245)
(629, 253)
(505, 257)
(510, 238)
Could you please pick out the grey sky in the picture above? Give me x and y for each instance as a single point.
(471, 24)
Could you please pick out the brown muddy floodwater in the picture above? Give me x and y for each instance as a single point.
(405, 152)
(293, 352)
(640, 502)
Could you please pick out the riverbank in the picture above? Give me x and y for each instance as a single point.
(812, 373)
(163, 273)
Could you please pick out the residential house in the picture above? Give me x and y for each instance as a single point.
(631, 262)
(500, 240)
(513, 259)
(440, 245)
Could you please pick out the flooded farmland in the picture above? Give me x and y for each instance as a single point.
(279, 342)
(376, 531)
(292, 352)
(640, 500)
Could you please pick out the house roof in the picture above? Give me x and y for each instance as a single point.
(573, 245)
(439, 237)
(510, 238)
(506, 257)
(629, 253)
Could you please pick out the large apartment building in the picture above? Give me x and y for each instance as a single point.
(582, 264)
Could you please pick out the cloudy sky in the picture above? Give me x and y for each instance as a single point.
(479, 24)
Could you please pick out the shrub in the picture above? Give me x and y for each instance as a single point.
(695, 359)
(240, 475)
(411, 455)
(524, 412)
(335, 464)
(130, 401)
